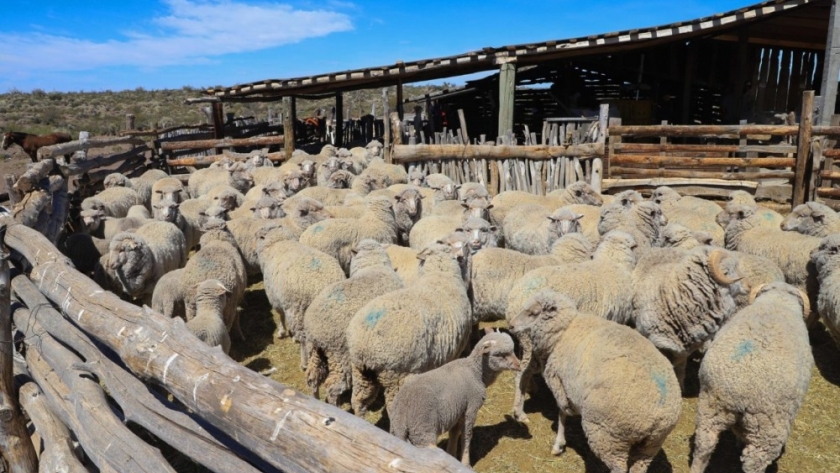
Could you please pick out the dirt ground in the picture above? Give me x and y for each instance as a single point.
(502, 445)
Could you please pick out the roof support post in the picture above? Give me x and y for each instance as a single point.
(400, 107)
(690, 66)
(289, 121)
(831, 67)
(339, 120)
(218, 120)
(507, 91)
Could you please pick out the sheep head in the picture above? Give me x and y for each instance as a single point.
(293, 181)
(543, 317)
(826, 257)
(477, 207)
(417, 178)
(166, 210)
(116, 180)
(782, 287)
(268, 207)
(723, 268)
(410, 200)
(564, 221)
(307, 168)
(92, 219)
(664, 194)
(479, 233)
(497, 352)
(582, 193)
(341, 179)
(811, 218)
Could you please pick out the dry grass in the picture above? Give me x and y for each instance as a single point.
(502, 445)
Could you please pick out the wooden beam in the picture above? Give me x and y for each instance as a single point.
(719, 131)
(831, 67)
(287, 429)
(411, 153)
(804, 151)
(289, 122)
(685, 173)
(192, 101)
(695, 161)
(507, 93)
(223, 143)
(201, 161)
(688, 148)
(339, 119)
(657, 182)
(47, 152)
(161, 131)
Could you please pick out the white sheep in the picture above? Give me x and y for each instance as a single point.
(114, 201)
(208, 325)
(577, 193)
(826, 259)
(812, 218)
(532, 229)
(694, 213)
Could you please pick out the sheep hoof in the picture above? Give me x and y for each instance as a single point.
(558, 450)
(521, 417)
(282, 333)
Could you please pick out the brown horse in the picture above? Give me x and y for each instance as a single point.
(31, 143)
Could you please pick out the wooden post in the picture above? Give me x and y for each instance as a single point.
(386, 124)
(289, 120)
(507, 91)
(400, 107)
(463, 122)
(339, 119)
(603, 121)
(80, 155)
(129, 121)
(218, 120)
(690, 63)
(831, 67)
(803, 148)
(15, 444)
(430, 117)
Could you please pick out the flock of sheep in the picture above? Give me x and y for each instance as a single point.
(382, 277)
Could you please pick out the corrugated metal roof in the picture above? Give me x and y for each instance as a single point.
(489, 58)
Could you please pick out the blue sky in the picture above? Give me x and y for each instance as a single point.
(87, 45)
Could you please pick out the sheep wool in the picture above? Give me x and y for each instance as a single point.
(208, 325)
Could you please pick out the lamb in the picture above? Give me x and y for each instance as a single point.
(532, 229)
(826, 261)
(114, 201)
(208, 325)
(293, 275)
(327, 317)
(696, 214)
(168, 188)
(167, 211)
(97, 224)
(448, 398)
(337, 237)
(577, 193)
(621, 386)
(682, 303)
(495, 271)
(769, 217)
(408, 208)
(411, 330)
(219, 259)
(599, 287)
(812, 218)
(203, 180)
(754, 377)
(136, 261)
(748, 232)
(430, 229)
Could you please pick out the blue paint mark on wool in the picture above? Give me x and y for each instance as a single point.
(534, 284)
(317, 229)
(661, 385)
(373, 316)
(315, 263)
(744, 348)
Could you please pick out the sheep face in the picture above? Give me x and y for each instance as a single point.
(448, 191)
(226, 199)
(92, 219)
(125, 253)
(166, 211)
(173, 193)
(497, 348)
(268, 207)
(809, 219)
(479, 233)
(331, 165)
(583, 193)
(826, 257)
(564, 221)
(675, 235)
(417, 178)
(293, 181)
(309, 212)
(410, 200)
(665, 194)
(307, 168)
(477, 208)
(212, 217)
(116, 180)
(340, 180)
(275, 189)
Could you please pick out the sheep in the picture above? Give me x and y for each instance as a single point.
(675, 235)
(470, 190)
(324, 195)
(769, 217)
(695, 213)
(386, 174)
(354, 160)
(577, 193)
(136, 261)
(599, 286)
(408, 208)
(444, 187)
(532, 229)
(143, 184)
(116, 179)
(825, 259)
(268, 207)
(97, 224)
(114, 201)
(812, 218)
(411, 330)
(208, 325)
(168, 211)
(753, 378)
(194, 213)
(456, 207)
(203, 180)
(748, 232)
(258, 160)
(417, 177)
(139, 212)
(225, 196)
(327, 317)
(405, 261)
(341, 179)
(223, 163)
(621, 386)
(373, 149)
(168, 188)
(681, 303)
(245, 231)
(337, 237)
(326, 169)
(495, 271)
(219, 259)
(448, 398)
(430, 229)
(293, 275)
(644, 221)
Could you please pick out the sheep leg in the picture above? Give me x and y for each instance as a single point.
(282, 332)
(316, 371)
(365, 391)
(680, 362)
(304, 355)
(641, 458)
(391, 382)
(710, 423)
(523, 379)
(467, 430)
(237, 329)
(764, 442)
(556, 387)
(338, 378)
(454, 437)
(607, 448)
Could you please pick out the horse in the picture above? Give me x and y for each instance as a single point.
(31, 143)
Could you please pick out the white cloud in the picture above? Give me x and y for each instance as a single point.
(192, 33)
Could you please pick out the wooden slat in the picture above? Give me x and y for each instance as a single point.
(694, 161)
(804, 143)
(410, 153)
(649, 147)
(720, 131)
(625, 171)
(223, 143)
(657, 182)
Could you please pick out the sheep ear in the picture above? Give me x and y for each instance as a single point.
(465, 205)
(422, 255)
(488, 330)
(552, 218)
(578, 216)
(493, 228)
(487, 346)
